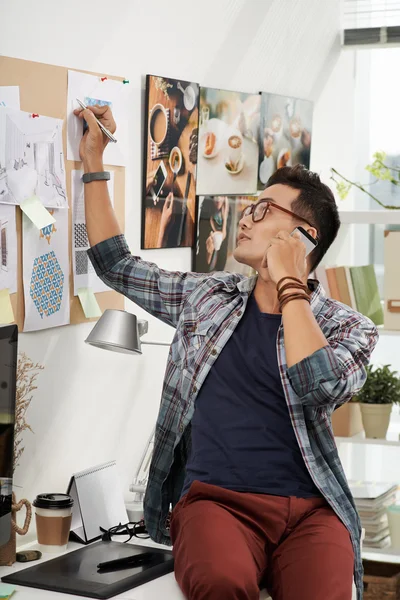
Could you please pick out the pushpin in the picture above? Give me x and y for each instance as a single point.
(103, 78)
(125, 81)
(34, 115)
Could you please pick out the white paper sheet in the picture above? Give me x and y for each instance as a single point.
(9, 96)
(84, 273)
(91, 90)
(46, 272)
(31, 159)
(8, 249)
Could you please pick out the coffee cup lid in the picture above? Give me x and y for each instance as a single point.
(53, 501)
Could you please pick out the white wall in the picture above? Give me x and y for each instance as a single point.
(90, 405)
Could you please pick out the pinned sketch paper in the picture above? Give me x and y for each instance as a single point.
(8, 248)
(31, 159)
(6, 311)
(89, 303)
(37, 213)
(9, 96)
(46, 273)
(91, 90)
(84, 273)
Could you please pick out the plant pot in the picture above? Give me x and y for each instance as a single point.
(346, 420)
(375, 418)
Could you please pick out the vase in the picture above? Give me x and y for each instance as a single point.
(8, 552)
(375, 418)
(346, 420)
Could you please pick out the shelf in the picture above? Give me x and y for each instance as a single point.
(361, 439)
(371, 217)
(388, 555)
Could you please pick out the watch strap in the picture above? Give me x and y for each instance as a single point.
(99, 176)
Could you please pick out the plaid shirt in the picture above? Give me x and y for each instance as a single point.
(205, 310)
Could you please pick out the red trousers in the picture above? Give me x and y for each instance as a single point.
(228, 545)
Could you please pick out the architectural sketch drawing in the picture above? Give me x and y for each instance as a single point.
(84, 273)
(31, 159)
(46, 273)
(8, 248)
(9, 96)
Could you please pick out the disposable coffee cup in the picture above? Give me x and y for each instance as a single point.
(53, 521)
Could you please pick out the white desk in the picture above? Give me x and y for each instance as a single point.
(164, 587)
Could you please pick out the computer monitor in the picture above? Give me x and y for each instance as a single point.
(8, 385)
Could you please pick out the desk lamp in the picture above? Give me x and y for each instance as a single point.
(120, 331)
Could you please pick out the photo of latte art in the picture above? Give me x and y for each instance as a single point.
(284, 137)
(228, 133)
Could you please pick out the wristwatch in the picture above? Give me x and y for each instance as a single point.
(99, 176)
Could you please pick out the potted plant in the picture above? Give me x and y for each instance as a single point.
(381, 390)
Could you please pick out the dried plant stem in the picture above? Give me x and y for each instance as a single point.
(27, 372)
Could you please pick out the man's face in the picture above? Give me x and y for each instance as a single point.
(253, 238)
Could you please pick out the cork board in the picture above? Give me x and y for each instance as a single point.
(43, 90)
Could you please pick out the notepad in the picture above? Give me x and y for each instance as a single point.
(98, 502)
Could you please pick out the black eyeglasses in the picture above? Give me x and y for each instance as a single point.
(260, 208)
(129, 529)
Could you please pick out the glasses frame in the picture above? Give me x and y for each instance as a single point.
(250, 210)
(131, 529)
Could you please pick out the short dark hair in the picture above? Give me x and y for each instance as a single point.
(315, 202)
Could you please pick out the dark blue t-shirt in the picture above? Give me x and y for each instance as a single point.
(242, 435)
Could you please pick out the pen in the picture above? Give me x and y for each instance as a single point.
(128, 562)
(104, 130)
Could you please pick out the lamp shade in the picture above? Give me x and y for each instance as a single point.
(116, 330)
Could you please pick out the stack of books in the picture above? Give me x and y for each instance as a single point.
(355, 286)
(372, 500)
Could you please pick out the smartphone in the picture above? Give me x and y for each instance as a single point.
(307, 239)
(158, 182)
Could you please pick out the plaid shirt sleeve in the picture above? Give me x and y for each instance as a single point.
(159, 292)
(336, 372)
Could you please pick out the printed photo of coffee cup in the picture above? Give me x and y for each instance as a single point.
(235, 150)
(295, 130)
(158, 127)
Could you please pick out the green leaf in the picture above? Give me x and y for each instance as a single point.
(382, 386)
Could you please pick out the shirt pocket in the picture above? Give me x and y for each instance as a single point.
(190, 336)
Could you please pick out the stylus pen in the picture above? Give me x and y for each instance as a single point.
(128, 562)
(104, 130)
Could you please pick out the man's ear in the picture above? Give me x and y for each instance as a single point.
(312, 231)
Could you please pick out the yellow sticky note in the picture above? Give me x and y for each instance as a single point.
(6, 310)
(89, 303)
(37, 213)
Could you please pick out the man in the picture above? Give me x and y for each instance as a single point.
(244, 451)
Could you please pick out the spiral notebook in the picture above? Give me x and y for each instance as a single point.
(98, 502)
